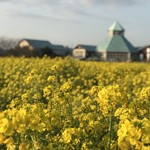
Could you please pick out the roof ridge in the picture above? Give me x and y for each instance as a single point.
(36, 40)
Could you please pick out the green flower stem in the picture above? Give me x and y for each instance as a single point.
(110, 129)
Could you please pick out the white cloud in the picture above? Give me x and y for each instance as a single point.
(59, 9)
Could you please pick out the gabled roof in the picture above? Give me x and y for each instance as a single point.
(116, 27)
(89, 48)
(38, 44)
(59, 49)
(141, 48)
(117, 43)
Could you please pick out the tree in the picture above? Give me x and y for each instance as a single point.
(7, 43)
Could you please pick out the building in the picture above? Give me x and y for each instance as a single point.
(60, 50)
(32, 47)
(84, 52)
(144, 53)
(34, 44)
(116, 47)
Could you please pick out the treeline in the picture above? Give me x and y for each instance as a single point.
(8, 46)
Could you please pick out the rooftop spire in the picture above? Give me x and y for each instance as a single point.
(116, 28)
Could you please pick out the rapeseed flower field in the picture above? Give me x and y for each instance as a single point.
(65, 104)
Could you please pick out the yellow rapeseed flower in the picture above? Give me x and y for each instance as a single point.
(122, 132)
(124, 145)
(23, 146)
(4, 124)
(2, 137)
(66, 136)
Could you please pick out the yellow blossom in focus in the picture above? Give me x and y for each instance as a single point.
(51, 79)
(2, 137)
(122, 132)
(4, 124)
(146, 139)
(146, 148)
(66, 136)
(54, 68)
(66, 86)
(48, 90)
(25, 97)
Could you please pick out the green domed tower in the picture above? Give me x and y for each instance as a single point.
(116, 47)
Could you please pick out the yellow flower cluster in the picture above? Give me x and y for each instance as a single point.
(67, 104)
(134, 134)
(110, 97)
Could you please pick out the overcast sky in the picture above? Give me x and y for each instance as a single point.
(72, 22)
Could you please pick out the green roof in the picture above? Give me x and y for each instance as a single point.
(59, 50)
(116, 27)
(38, 44)
(117, 43)
(89, 48)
